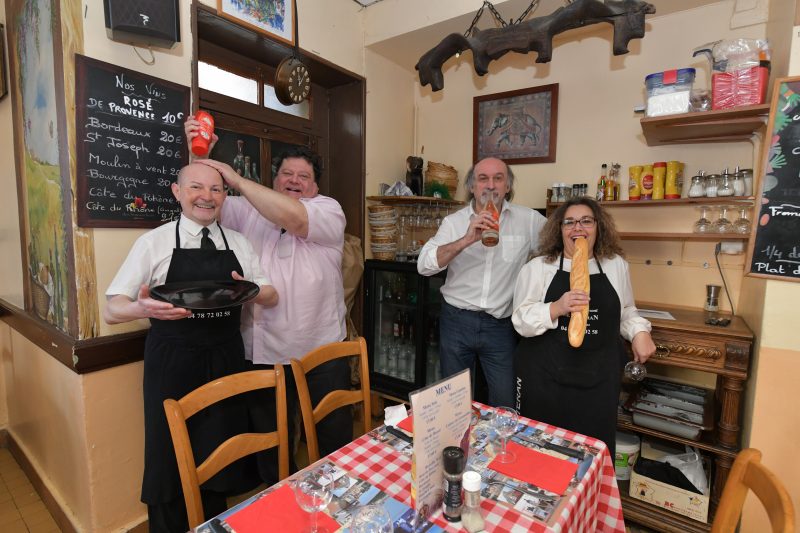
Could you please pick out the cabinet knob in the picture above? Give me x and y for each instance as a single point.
(662, 352)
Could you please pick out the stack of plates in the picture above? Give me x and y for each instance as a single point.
(383, 231)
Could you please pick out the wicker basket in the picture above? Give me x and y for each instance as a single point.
(380, 208)
(383, 256)
(444, 174)
(41, 300)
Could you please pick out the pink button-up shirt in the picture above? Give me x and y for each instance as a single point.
(307, 273)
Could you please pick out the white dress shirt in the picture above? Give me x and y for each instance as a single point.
(531, 315)
(148, 261)
(481, 278)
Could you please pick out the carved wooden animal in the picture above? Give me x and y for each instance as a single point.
(414, 174)
(536, 34)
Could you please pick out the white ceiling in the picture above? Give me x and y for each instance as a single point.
(406, 49)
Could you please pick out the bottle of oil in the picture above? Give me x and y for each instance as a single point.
(601, 183)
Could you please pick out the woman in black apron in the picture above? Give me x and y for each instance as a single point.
(576, 388)
(181, 355)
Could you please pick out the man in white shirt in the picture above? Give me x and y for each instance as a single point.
(185, 350)
(475, 320)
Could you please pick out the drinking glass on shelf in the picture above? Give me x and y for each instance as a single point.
(742, 224)
(722, 224)
(635, 371)
(703, 224)
(313, 492)
(371, 518)
(438, 219)
(505, 424)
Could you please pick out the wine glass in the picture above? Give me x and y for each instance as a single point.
(742, 224)
(636, 371)
(722, 224)
(313, 492)
(371, 518)
(703, 224)
(505, 424)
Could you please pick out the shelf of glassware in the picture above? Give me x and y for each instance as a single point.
(412, 200)
(704, 237)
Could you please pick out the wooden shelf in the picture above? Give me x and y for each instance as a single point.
(724, 125)
(719, 200)
(706, 237)
(410, 200)
(704, 444)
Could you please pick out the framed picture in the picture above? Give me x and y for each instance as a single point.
(3, 75)
(274, 18)
(518, 127)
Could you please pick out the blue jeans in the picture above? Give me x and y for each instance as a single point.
(469, 335)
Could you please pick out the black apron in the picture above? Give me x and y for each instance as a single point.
(574, 388)
(181, 355)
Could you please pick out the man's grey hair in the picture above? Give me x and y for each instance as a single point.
(469, 181)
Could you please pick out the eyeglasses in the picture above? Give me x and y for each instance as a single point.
(585, 222)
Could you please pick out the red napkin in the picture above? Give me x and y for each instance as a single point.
(544, 471)
(277, 511)
(407, 424)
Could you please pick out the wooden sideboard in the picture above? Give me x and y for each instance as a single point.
(688, 342)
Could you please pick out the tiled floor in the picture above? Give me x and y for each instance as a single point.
(21, 509)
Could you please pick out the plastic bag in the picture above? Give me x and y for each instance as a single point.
(739, 71)
(691, 465)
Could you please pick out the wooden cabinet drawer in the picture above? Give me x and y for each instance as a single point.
(689, 350)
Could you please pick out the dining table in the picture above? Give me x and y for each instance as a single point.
(377, 466)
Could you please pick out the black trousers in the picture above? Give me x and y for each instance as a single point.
(330, 376)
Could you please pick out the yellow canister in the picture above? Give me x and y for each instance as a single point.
(671, 188)
(647, 182)
(635, 182)
(659, 177)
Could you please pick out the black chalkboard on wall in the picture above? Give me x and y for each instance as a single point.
(774, 251)
(130, 145)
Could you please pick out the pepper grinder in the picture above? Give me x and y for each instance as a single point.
(712, 298)
(454, 462)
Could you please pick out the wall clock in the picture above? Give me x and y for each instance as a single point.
(292, 81)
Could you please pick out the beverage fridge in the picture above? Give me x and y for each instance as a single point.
(401, 325)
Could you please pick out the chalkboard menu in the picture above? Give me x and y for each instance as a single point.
(775, 250)
(130, 145)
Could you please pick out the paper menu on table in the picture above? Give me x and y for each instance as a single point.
(442, 414)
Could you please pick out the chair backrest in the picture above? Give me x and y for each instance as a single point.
(748, 473)
(236, 447)
(335, 399)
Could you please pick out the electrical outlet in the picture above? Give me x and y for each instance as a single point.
(731, 247)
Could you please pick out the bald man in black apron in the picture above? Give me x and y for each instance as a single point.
(185, 350)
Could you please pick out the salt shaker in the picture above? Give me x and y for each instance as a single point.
(471, 517)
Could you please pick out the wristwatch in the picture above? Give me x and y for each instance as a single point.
(292, 81)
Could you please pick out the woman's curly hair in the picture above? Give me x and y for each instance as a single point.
(551, 244)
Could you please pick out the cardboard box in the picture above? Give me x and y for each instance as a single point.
(680, 501)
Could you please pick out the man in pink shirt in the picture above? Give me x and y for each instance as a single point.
(299, 235)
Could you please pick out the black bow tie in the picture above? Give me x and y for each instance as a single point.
(206, 243)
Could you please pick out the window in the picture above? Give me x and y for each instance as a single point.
(221, 81)
(302, 110)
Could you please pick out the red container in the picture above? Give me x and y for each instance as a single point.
(203, 139)
(747, 86)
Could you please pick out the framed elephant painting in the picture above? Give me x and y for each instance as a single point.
(518, 127)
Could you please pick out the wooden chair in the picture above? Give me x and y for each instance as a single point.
(335, 399)
(234, 448)
(748, 473)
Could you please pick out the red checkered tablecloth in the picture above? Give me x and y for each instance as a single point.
(594, 505)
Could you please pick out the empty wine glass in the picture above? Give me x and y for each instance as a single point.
(505, 424)
(313, 492)
(722, 224)
(703, 224)
(742, 224)
(635, 371)
(371, 518)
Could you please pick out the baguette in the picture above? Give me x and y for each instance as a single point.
(579, 279)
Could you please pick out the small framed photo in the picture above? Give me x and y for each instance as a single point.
(274, 18)
(518, 127)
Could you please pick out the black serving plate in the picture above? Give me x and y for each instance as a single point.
(206, 294)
